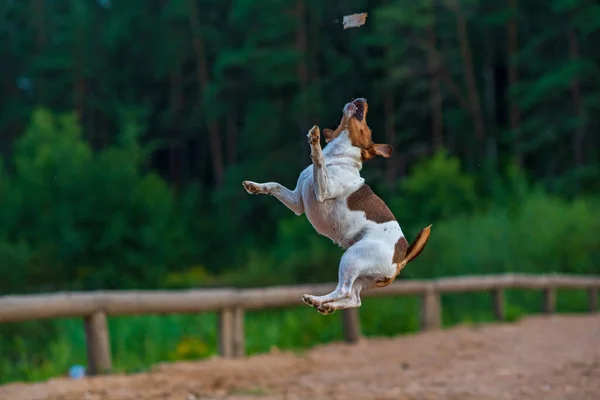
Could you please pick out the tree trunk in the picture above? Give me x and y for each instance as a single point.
(435, 94)
(232, 135)
(203, 82)
(439, 67)
(515, 116)
(79, 92)
(314, 56)
(491, 153)
(176, 95)
(78, 75)
(98, 112)
(41, 39)
(176, 107)
(491, 112)
(302, 73)
(390, 133)
(465, 50)
(579, 137)
(102, 128)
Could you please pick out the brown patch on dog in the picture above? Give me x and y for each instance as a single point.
(400, 250)
(358, 131)
(375, 209)
(383, 281)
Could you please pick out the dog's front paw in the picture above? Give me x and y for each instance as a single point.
(252, 187)
(325, 309)
(314, 135)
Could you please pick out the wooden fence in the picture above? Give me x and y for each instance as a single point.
(231, 304)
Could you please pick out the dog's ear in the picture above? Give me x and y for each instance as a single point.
(328, 133)
(383, 150)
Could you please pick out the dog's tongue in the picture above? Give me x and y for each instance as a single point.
(359, 109)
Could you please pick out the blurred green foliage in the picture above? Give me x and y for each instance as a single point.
(77, 219)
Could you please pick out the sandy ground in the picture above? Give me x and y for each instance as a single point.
(549, 358)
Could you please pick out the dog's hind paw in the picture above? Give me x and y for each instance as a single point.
(325, 309)
(310, 300)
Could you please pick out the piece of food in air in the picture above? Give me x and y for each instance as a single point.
(354, 20)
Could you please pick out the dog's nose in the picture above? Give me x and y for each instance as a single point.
(350, 108)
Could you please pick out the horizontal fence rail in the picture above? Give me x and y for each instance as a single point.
(95, 307)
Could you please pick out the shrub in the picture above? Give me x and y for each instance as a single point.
(545, 234)
(435, 189)
(75, 219)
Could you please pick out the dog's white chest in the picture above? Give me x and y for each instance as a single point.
(332, 218)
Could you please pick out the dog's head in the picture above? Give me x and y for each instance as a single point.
(354, 121)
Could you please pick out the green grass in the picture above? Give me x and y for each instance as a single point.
(39, 350)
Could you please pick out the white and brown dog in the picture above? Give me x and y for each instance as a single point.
(340, 206)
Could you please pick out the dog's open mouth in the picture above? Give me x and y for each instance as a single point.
(360, 108)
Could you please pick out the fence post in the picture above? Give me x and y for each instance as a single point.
(430, 310)
(593, 299)
(97, 343)
(239, 340)
(549, 300)
(351, 325)
(226, 333)
(499, 305)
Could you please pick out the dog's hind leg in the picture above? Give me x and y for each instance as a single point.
(350, 269)
(352, 302)
(317, 301)
(343, 290)
(362, 262)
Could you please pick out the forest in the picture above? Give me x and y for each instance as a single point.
(127, 127)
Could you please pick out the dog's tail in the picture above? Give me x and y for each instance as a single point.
(416, 247)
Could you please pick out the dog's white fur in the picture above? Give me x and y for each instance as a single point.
(322, 192)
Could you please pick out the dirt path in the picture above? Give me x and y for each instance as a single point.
(549, 358)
